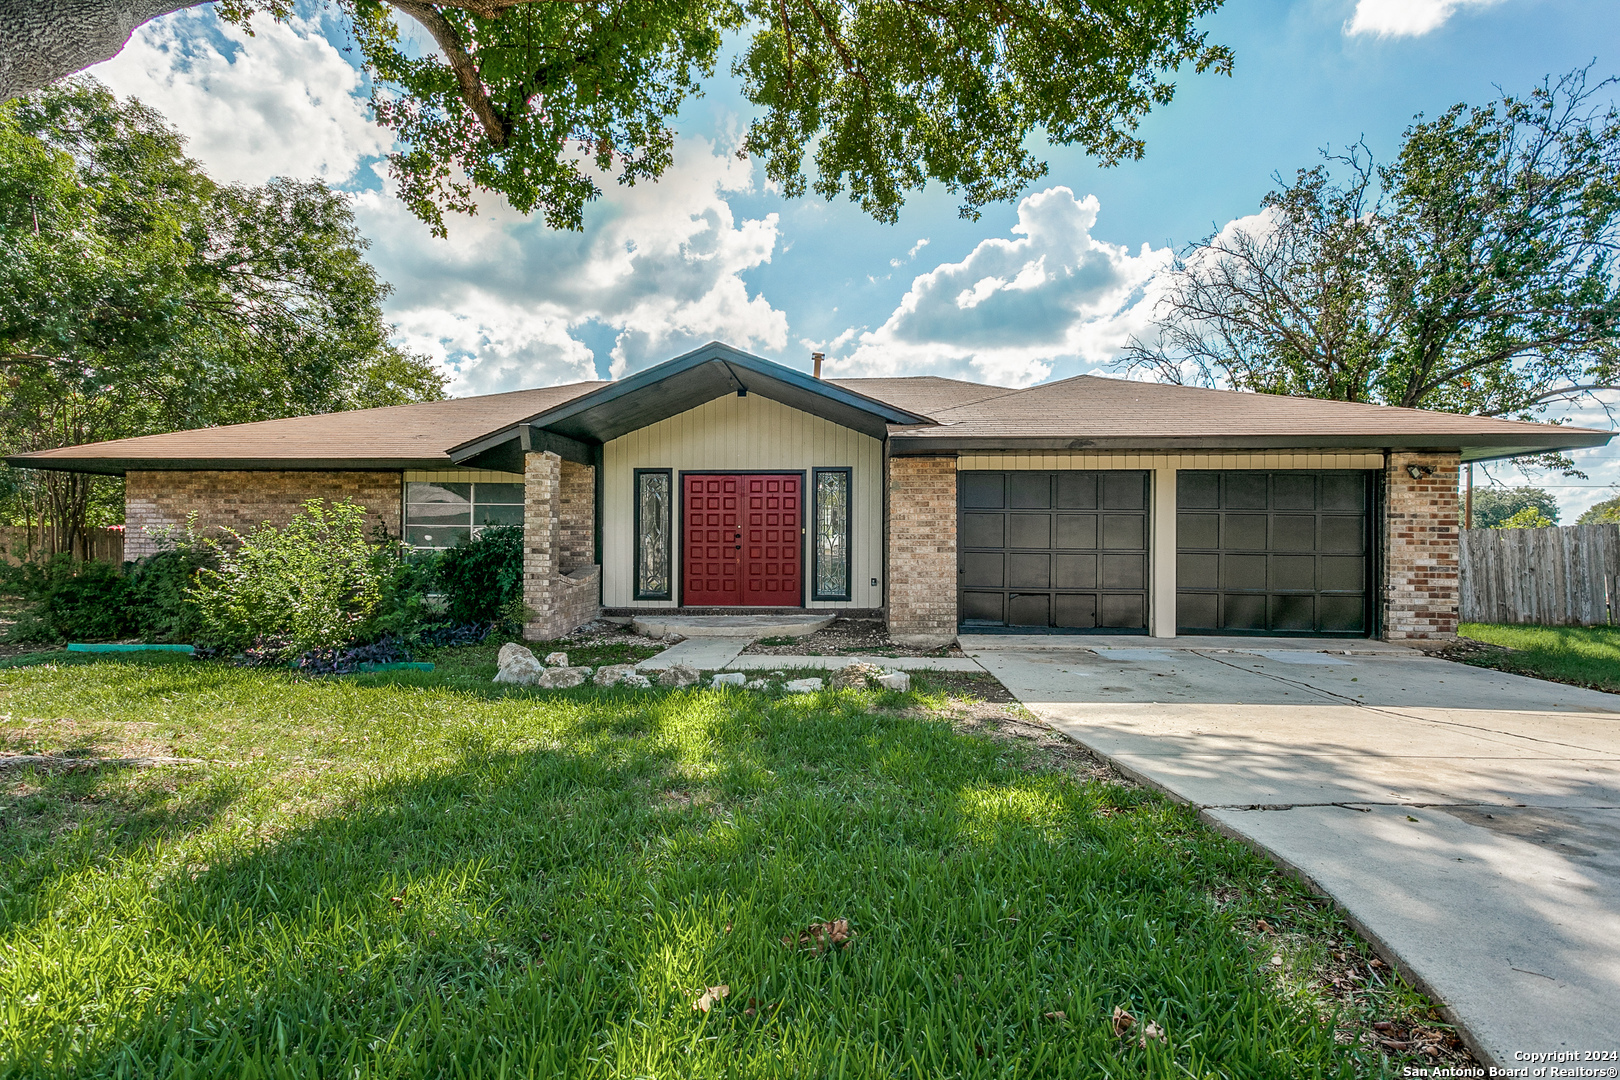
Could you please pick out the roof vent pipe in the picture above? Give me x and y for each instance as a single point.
(816, 358)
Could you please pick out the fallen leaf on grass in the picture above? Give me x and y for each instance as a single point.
(1054, 1015)
(1263, 926)
(1123, 1022)
(399, 901)
(820, 935)
(1276, 959)
(711, 997)
(1153, 1031)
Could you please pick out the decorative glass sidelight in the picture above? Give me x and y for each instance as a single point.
(832, 569)
(653, 489)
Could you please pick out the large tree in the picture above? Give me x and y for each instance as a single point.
(535, 98)
(138, 296)
(1475, 272)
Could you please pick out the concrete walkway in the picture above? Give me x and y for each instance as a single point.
(1467, 821)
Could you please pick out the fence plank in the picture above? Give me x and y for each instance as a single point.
(1567, 576)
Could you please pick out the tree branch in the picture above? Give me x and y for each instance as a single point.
(496, 126)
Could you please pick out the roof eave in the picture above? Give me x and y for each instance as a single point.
(1472, 448)
(113, 466)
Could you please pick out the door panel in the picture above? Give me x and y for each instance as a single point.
(743, 542)
(1053, 549)
(1273, 552)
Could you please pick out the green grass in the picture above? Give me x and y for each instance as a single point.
(425, 875)
(1581, 655)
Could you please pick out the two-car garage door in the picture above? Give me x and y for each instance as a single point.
(1257, 552)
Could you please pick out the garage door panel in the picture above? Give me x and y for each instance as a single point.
(1291, 546)
(1076, 491)
(1293, 573)
(1075, 611)
(1029, 491)
(1074, 571)
(984, 490)
(1066, 550)
(1076, 531)
(1243, 532)
(1201, 571)
(1028, 570)
(1029, 609)
(984, 569)
(1124, 531)
(1198, 530)
(1029, 530)
(1124, 572)
(1293, 532)
(983, 607)
(983, 530)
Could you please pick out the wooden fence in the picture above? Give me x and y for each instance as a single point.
(17, 543)
(1568, 576)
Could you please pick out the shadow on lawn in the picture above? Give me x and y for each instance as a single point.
(557, 907)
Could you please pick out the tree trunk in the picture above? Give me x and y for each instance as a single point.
(42, 41)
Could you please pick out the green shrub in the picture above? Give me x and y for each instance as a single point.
(1530, 517)
(482, 580)
(156, 606)
(68, 599)
(317, 583)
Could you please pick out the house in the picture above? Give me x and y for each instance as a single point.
(725, 483)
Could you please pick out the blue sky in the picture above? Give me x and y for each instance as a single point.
(1046, 287)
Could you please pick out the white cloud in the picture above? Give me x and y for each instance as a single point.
(1405, 18)
(659, 266)
(280, 103)
(1053, 301)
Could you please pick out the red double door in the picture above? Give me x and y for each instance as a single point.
(742, 543)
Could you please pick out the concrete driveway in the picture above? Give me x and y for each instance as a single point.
(1468, 821)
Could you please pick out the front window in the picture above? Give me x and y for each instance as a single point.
(832, 568)
(443, 514)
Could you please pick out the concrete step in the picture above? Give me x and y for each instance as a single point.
(749, 627)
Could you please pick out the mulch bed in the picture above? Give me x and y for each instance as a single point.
(844, 637)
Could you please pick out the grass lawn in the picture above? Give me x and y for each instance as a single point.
(1581, 655)
(426, 875)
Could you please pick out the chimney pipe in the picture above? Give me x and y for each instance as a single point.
(816, 358)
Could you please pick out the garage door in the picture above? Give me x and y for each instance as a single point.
(1059, 550)
(1273, 553)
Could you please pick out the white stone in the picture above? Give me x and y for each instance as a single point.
(562, 678)
(802, 686)
(730, 678)
(895, 680)
(517, 665)
(636, 680)
(679, 675)
(613, 674)
(557, 659)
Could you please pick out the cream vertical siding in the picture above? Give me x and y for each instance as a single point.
(749, 434)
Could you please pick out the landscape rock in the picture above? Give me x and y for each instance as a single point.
(518, 665)
(895, 680)
(730, 678)
(563, 678)
(679, 675)
(637, 680)
(557, 659)
(613, 674)
(802, 686)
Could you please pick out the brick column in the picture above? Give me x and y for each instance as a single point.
(922, 550)
(1420, 547)
(561, 585)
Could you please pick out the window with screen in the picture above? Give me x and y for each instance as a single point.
(653, 500)
(443, 514)
(831, 515)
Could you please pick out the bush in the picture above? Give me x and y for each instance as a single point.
(315, 584)
(1530, 517)
(68, 599)
(156, 605)
(1606, 512)
(1494, 505)
(482, 579)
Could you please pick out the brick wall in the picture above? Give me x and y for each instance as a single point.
(557, 524)
(922, 550)
(242, 500)
(576, 516)
(1420, 548)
